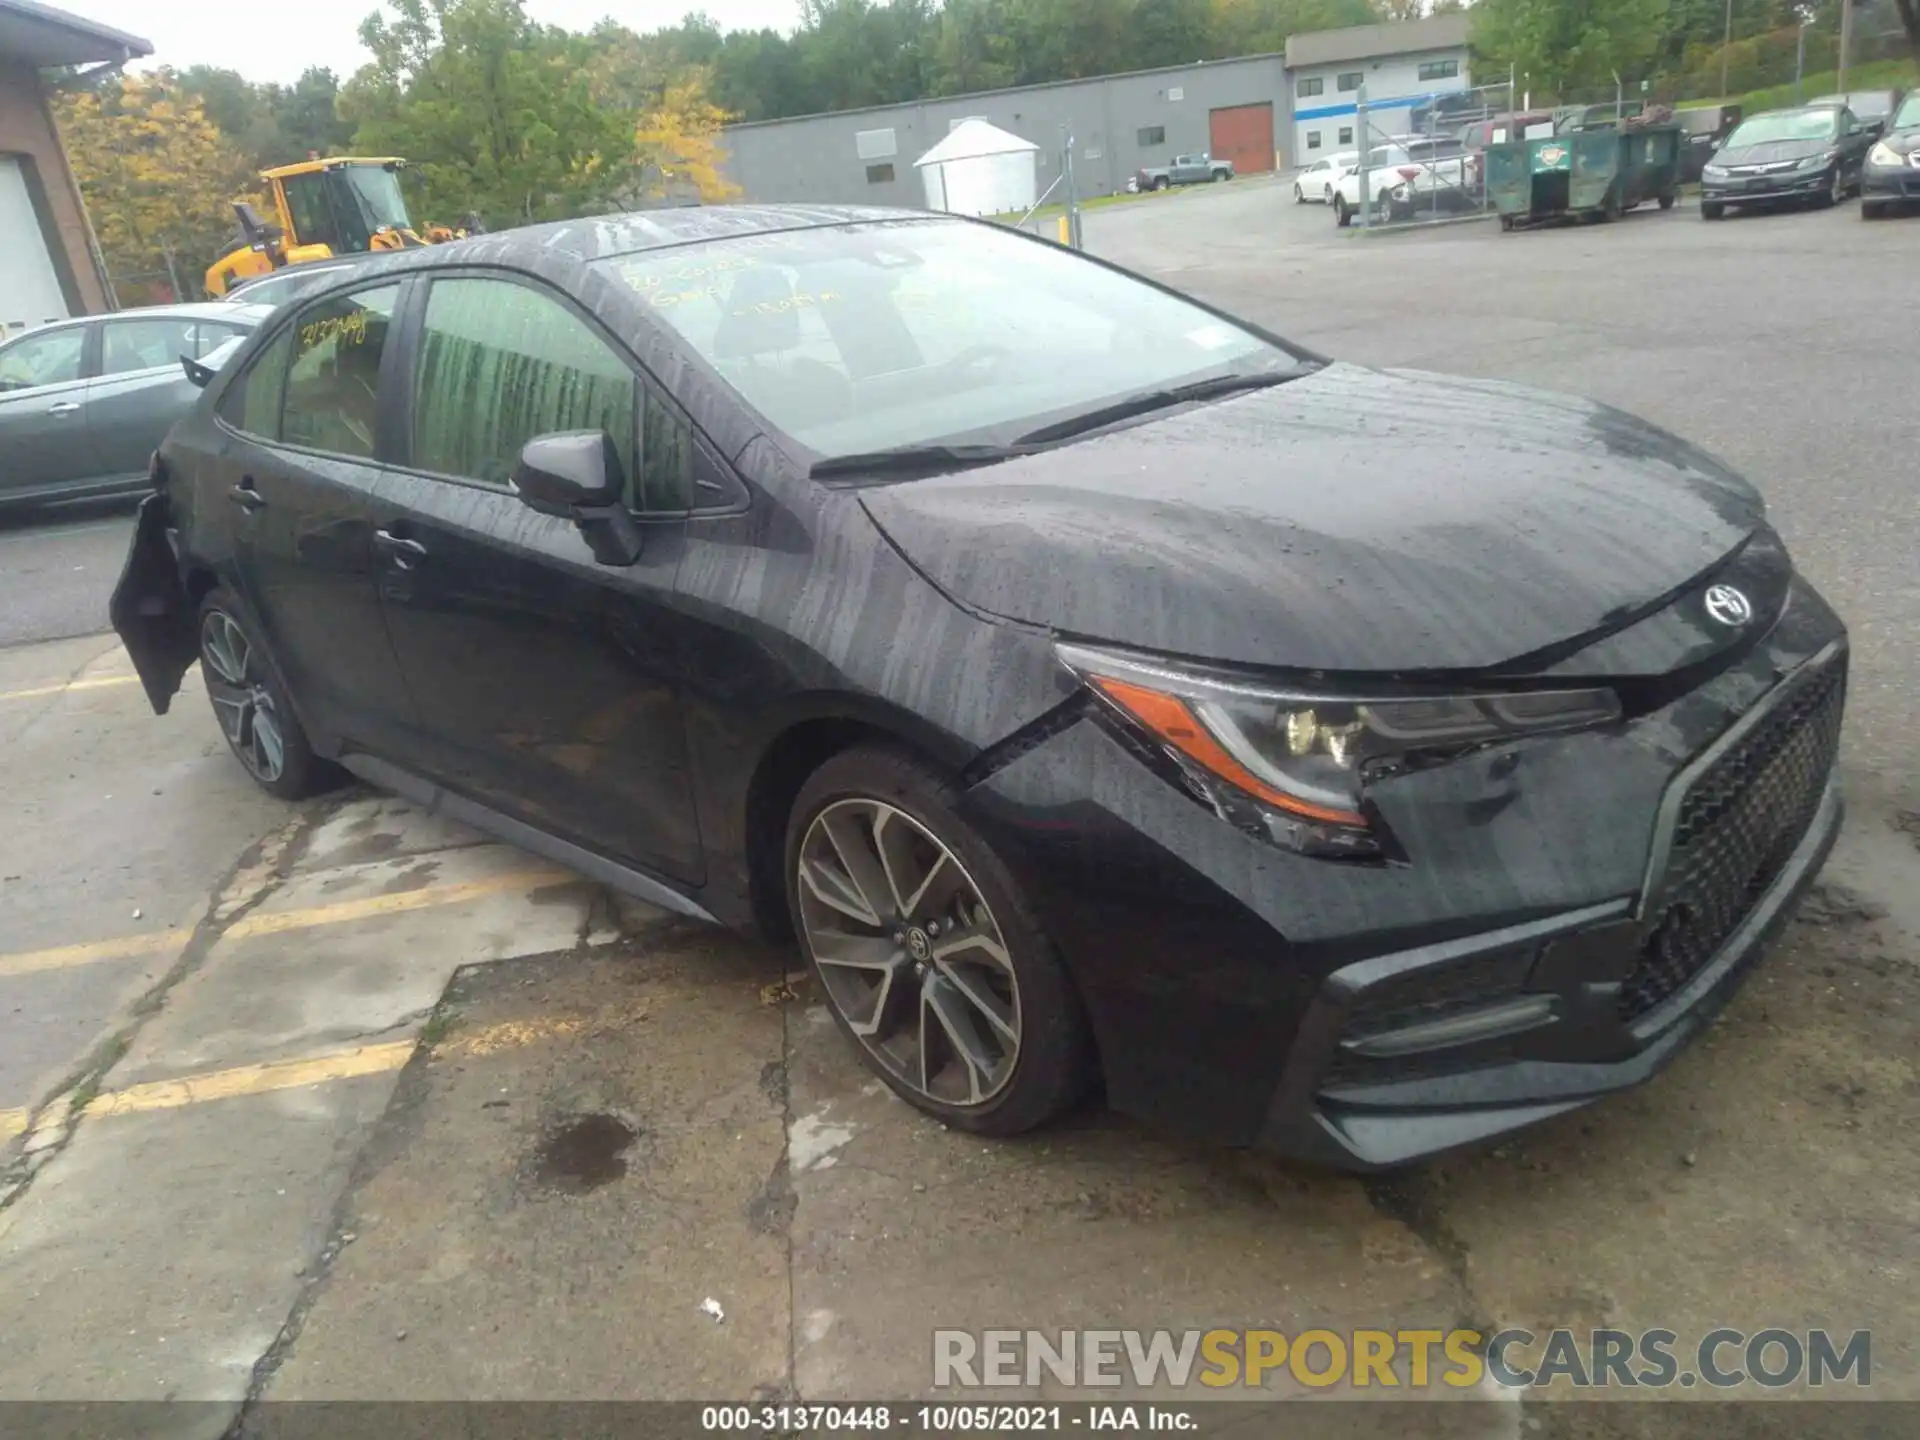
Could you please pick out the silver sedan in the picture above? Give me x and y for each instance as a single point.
(84, 403)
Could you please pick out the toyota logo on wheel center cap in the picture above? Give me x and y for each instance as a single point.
(918, 945)
(1728, 605)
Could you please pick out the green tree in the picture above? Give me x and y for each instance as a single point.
(495, 113)
(1559, 46)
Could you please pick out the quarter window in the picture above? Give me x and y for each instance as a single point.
(129, 345)
(501, 363)
(48, 359)
(252, 401)
(333, 385)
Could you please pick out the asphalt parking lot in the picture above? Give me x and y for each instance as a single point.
(341, 1101)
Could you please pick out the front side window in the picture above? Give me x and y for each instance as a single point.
(129, 345)
(858, 338)
(48, 359)
(333, 385)
(501, 363)
(252, 401)
(308, 209)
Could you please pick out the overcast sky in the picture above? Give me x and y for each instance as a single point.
(275, 40)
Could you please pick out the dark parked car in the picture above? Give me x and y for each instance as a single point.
(1891, 178)
(84, 402)
(282, 285)
(1872, 108)
(1358, 763)
(1809, 155)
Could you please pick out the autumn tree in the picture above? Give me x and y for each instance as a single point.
(494, 113)
(677, 146)
(158, 176)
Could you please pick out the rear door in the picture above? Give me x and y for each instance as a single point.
(547, 683)
(140, 389)
(298, 467)
(43, 426)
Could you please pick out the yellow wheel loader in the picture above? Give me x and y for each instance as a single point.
(323, 208)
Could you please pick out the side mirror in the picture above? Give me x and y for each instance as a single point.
(576, 475)
(196, 372)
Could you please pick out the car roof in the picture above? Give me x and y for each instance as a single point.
(190, 310)
(601, 236)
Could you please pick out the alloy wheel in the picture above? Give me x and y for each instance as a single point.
(909, 952)
(241, 700)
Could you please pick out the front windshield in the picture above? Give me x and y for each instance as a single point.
(857, 338)
(369, 199)
(1787, 125)
(1908, 116)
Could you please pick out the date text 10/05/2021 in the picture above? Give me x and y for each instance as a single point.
(946, 1419)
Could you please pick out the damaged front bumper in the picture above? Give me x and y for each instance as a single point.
(151, 608)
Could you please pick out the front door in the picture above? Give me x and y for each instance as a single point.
(298, 473)
(140, 389)
(43, 413)
(545, 681)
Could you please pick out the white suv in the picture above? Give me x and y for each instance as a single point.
(1399, 173)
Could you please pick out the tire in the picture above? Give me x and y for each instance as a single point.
(1219, 175)
(1873, 210)
(1341, 214)
(1506, 223)
(250, 705)
(1712, 209)
(1161, 182)
(1666, 201)
(1835, 192)
(860, 799)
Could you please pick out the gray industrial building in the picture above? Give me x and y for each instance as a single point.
(1248, 110)
(1235, 108)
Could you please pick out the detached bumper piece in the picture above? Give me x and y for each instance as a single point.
(151, 609)
(1403, 1056)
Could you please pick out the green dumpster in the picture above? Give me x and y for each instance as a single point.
(1590, 174)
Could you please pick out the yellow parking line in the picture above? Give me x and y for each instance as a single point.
(35, 691)
(252, 1079)
(277, 922)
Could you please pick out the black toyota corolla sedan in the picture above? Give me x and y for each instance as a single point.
(1096, 686)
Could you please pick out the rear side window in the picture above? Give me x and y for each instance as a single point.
(252, 401)
(332, 398)
(501, 363)
(129, 345)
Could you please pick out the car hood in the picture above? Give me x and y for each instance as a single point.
(1773, 152)
(1902, 142)
(1351, 520)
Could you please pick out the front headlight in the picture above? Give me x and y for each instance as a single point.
(1714, 172)
(1820, 161)
(1295, 765)
(1883, 154)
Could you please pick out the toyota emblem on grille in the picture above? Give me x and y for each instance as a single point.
(1728, 605)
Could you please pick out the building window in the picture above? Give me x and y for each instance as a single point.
(1313, 139)
(875, 144)
(1314, 86)
(1439, 69)
(880, 174)
(1349, 81)
(1346, 135)
(1152, 135)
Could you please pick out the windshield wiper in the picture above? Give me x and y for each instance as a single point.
(1151, 400)
(915, 460)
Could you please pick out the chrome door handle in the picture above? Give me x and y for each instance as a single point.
(403, 550)
(65, 407)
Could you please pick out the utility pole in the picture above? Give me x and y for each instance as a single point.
(1846, 42)
(1800, 64)
(1726, 46)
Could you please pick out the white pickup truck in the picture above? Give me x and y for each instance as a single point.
(1409, 176)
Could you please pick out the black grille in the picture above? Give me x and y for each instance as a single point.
(1423, 995)
(1737, 827)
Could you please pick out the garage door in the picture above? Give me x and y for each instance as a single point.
(1244, 135)
(29, 285)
